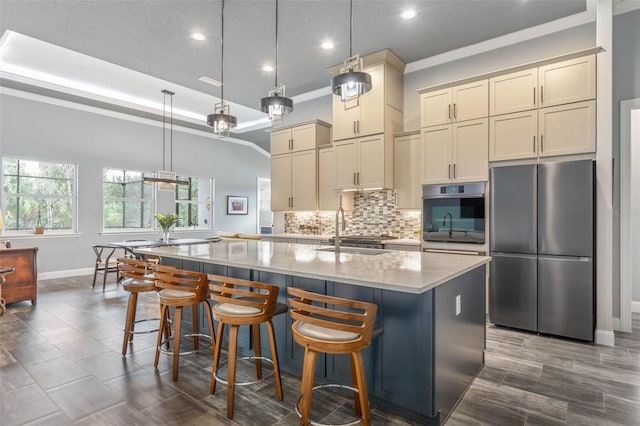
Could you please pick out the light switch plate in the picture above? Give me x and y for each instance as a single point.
(457, 305)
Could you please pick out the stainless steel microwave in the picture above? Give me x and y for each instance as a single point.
(454, 213)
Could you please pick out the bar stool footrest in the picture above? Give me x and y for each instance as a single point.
(145, 331)
(329, 385)
(170, 352)
(253, 382)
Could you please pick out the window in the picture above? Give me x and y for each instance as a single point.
(127, 200)
(39, 194)
(194, 203)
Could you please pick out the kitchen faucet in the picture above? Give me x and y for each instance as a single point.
(344, 225)
(444, 221)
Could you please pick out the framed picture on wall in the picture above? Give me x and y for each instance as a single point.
(237, 205)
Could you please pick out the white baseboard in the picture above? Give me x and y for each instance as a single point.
(635, 306)
(65, 274)
(605, 337)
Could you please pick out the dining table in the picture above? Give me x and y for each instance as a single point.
(130, 245)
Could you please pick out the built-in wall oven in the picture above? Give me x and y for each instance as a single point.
(454, 213)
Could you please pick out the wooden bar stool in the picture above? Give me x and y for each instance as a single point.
(347, 329)
(180, 288)
(137, 278)
(243, 302)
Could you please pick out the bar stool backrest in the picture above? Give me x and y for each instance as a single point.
(251, 294)
(347, 315)
(134, 268)
(171, 278)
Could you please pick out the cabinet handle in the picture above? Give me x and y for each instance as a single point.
(534, 97)
(354, 127)
(541, 143)
(354, 178)
(541, 95)
(291, 144)
(358, 126)
(449, 111)
(358, 178)
(454, 171)
(455, 113)
(449, 171)
(534, 144)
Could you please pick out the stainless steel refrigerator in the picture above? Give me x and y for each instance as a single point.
(542, 248)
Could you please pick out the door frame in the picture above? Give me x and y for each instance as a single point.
(629, 203)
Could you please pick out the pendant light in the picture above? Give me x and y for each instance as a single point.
(352, 82)
(166, 180)
(276, 104)
(221, 121)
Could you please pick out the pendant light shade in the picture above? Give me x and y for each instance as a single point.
(276, 104)
(351, 82)
(221, 121)
(166, 180)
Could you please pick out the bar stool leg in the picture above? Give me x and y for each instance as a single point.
(196, 326)
(163, 326)
(255, 330)
(354, 381)
(210, 319)
(134, 309)
(274, 358)
(128, 322)
(358, 364)
(216, 357)
(231, 387)
(308, 370)
(177, 331)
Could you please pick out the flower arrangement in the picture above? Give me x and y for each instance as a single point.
(166, 221)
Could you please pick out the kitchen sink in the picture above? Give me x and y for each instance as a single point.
(355, 250)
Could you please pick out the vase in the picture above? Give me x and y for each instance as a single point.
(165, 236)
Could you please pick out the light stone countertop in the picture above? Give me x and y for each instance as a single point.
(403, 241)
(300, 236)
(409, 272)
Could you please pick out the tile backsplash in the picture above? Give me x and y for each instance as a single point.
(374, 213)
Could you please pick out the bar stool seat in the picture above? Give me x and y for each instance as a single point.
(180, 288)
(346, 329)
(136, 280)
(243, 302)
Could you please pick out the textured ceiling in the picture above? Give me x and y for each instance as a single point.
(152, 37)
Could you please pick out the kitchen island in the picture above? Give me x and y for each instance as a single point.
(431, 306)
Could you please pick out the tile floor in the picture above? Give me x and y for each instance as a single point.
(60, 364)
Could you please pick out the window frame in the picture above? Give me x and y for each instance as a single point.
(73, 196)
(208, 203)
(151, 200)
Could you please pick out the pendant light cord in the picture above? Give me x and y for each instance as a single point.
(222, 61)
(171, 134)
(164, 127)
(350, 27)
(276, 76)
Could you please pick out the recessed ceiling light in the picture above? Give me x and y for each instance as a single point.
(267, 68)
(408, 14)
(327, 45)
(211, 81)
(198, 36)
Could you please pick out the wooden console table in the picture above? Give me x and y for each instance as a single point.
(22, 283)
(4, 270)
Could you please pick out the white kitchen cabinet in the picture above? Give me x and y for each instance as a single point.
(456, 152)
(455, 104)
(360, 163)
(328, 195)
(364, 115)
(293, 181)
(300, 137)
(513, 136)
(559, 83)
(568, 81)
(567, 129)
(407, 177)
(513, 92)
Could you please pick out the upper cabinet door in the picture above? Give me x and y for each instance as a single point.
(280, 142)
(303, 180)
(371, 110)
(407, 178)
(568, 81)
(513, 92)
(470, 151)
(345, 155)
(438, 152)
(281, 182)
(370, 173)
(513, 136)
(436, 108)
(303, 137)
(344, 118)
(470, 101)
(567, 129)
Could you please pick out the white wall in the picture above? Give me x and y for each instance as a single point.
(635, 212)
(30, 128)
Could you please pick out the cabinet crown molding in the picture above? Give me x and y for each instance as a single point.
(303, 123)
(382, 56)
